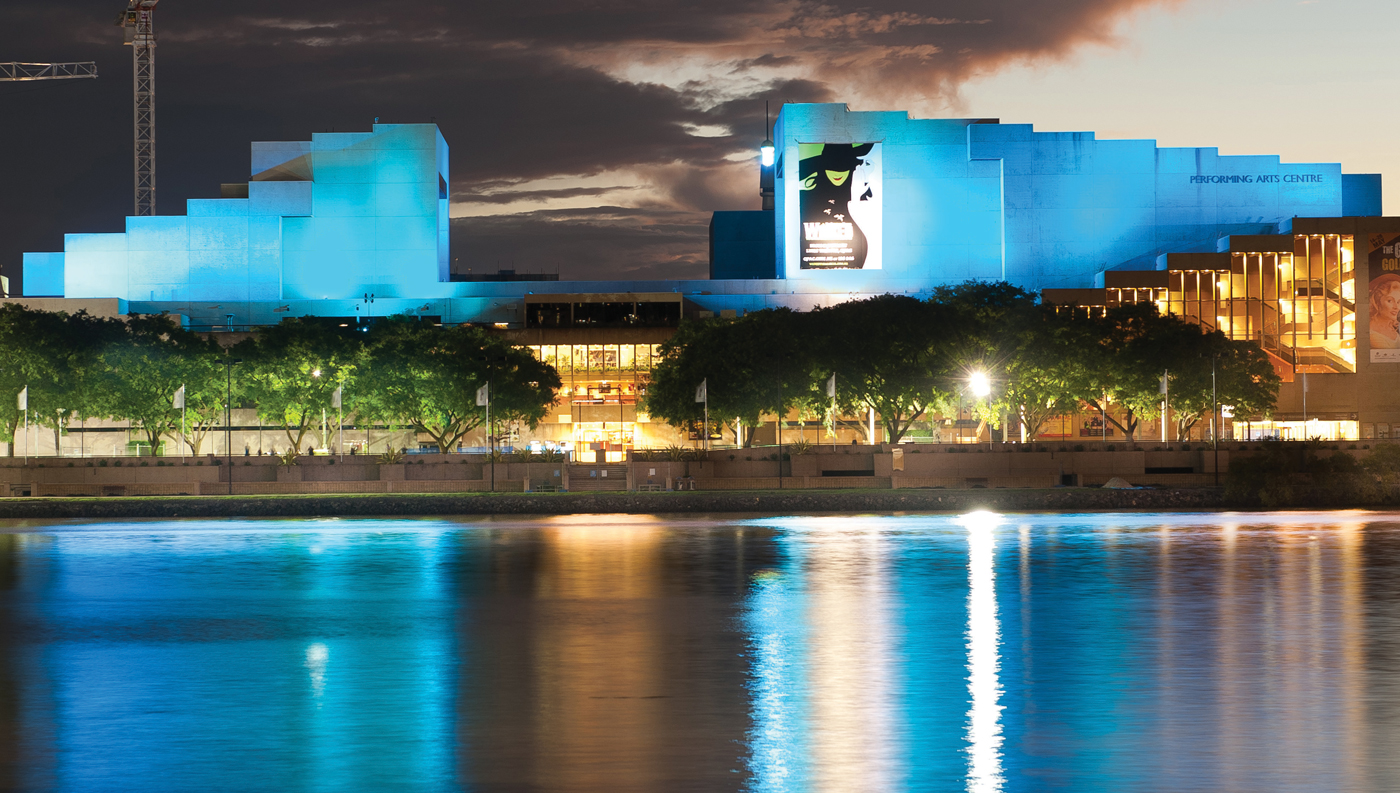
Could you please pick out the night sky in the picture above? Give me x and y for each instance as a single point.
(589, 139)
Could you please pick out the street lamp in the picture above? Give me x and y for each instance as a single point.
(981, 387)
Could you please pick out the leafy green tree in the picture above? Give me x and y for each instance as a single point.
(54, 354)
(1043, 367)
(892, 354)
(1136, 345)
(1032, 354)
(427, 377)
(1127, 349)
(291, 370)
(204, 399)
(145, 365)
(1245, 380)
(755, 365)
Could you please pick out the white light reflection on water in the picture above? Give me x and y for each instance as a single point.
(316, 656)
(984, 736)
(778, 738)
(823, 685)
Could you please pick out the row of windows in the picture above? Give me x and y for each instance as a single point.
(598, 361)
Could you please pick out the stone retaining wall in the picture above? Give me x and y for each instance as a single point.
(767, 502)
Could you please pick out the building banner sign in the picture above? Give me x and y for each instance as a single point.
(839, 205)
(1384, 311)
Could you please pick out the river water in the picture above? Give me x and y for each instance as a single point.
(1183, 652)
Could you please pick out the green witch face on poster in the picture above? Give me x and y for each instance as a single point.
(839, 205)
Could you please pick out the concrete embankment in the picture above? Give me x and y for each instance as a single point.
(771, 502)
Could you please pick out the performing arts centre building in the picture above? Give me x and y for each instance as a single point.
(351, 226)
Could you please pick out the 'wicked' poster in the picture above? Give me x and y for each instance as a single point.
(839, 205)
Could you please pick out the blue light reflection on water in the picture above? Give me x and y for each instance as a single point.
(1127, 653)
(1080, 652)
(328, 658)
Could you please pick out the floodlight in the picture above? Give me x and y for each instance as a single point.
(981, 386)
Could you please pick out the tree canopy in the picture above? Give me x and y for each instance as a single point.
(291, 370)
(907, 358)
(751, 366)
(427, 377)
(145, 361)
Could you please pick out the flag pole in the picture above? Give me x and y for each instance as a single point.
(24, 405)
(490, 436)
(831, 392)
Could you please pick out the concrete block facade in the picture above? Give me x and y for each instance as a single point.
(335, 217)
(974, 198)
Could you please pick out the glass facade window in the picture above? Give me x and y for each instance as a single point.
(1299, 306)
(1324, 429)
(600, 381)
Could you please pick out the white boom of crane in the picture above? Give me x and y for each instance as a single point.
(23, 72)
(139, 23)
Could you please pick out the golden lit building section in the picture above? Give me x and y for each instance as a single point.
(597, 412)
(1299, 305)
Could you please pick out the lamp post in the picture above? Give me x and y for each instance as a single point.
(229, 363)
(981, 388)
(1214, 409)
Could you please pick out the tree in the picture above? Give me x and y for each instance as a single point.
(1045, 367)
(1244, 379)
(427, 377)
(54, 355)
(1033, 354)
(1128, 347)
(147, 362)
(758, 364)
(291, 370)
(890, 354)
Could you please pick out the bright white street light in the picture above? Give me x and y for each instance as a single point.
(981, 386)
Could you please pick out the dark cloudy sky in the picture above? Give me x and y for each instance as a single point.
(616, 124)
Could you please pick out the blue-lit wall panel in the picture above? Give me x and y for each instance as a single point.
(1361, 194)
(974, 199)
(333, 217)
(43, 274)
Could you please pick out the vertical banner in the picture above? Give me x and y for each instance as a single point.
(839, 206)
(1383, 314)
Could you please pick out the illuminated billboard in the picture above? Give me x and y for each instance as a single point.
(1384, 311)
(839, 205)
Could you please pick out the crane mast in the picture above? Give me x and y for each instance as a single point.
(139, 23)
(24, 72)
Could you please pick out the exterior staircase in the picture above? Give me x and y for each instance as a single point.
(597, 478)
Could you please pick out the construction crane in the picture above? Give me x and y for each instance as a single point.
(139, 23)
(24, 72)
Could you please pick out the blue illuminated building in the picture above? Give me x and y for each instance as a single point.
(327, 222)
(352, 226)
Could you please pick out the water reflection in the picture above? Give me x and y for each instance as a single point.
(1084, 653)
(983, 657)
(825, 682)
(604, 655)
